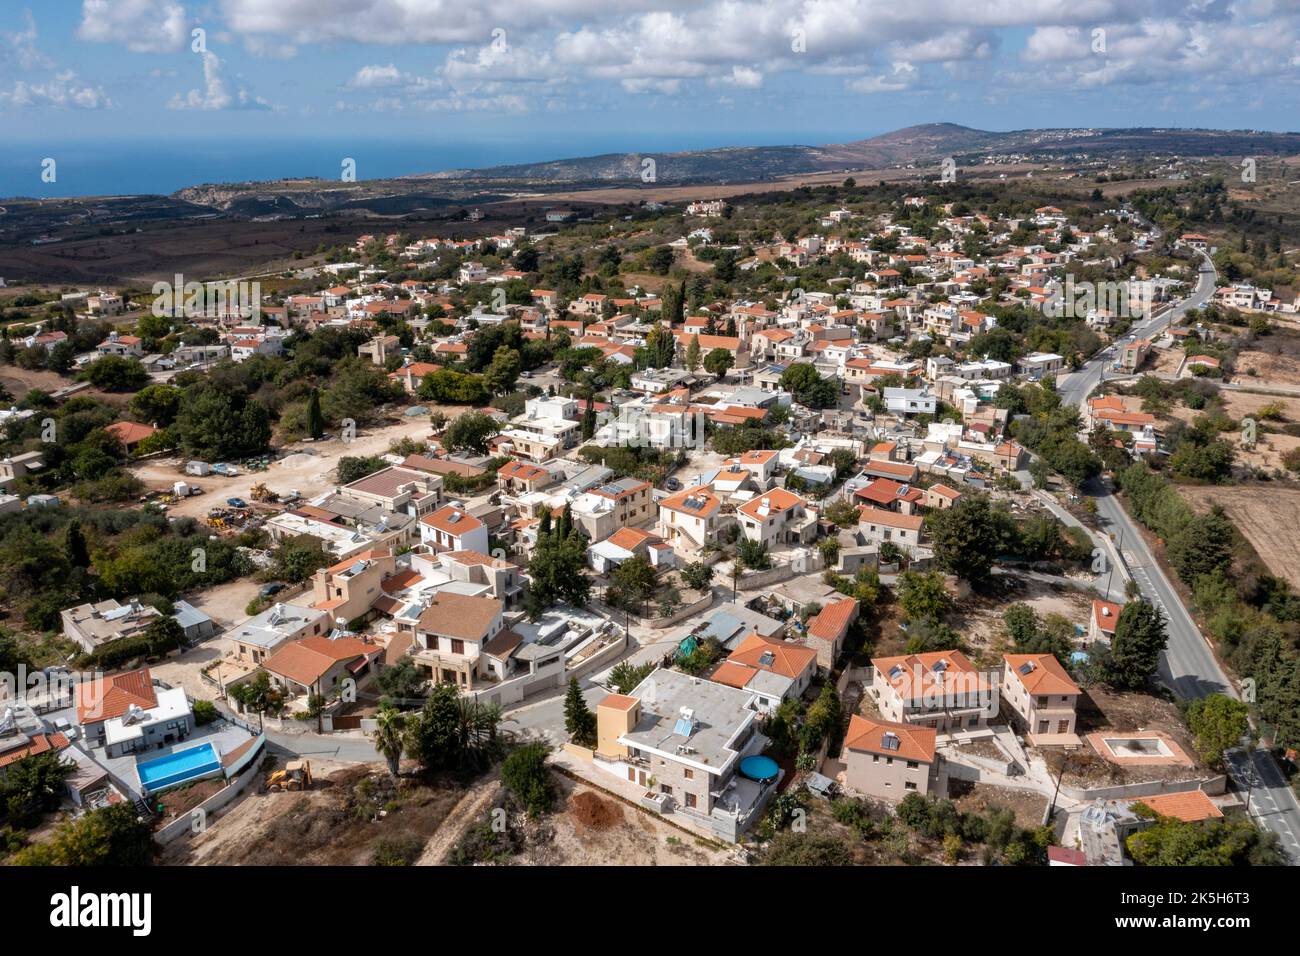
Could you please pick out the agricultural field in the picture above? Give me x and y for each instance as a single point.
(1267, 515)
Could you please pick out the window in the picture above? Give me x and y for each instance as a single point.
(688, 774)
(457, 646)
(909, 785)
(912, 765)
(690, 800)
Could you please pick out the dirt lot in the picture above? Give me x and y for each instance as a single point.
(586, 827)
(340, 821)
(1164, 363)
(1103, 709)
(307, 467)
(592, 828)
(979, 619)
(1264, 367)
(1268, 515)
(20, 381)
(978, 798)
(1271, 444)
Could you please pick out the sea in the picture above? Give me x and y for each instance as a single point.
(138, 166)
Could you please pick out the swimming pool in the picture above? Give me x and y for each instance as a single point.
(179, 766)
(759, 768)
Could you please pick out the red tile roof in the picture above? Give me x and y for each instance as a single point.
(867, 735)
(112, 696)
(833, 620)
(1188, 806)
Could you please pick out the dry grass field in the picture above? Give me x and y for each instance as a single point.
(1267, 514)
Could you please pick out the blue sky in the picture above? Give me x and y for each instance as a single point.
(567, 76)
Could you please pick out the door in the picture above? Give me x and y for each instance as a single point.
(1062, 726)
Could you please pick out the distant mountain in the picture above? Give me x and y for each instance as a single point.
(928, 143)
(914, 144)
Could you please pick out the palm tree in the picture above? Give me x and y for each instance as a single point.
(390, 736)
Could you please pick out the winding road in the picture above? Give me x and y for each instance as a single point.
(1188, 666)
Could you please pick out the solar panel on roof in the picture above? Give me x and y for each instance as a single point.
(1026, 668)
(890, 741)
(767, 658)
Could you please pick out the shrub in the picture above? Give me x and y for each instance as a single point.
(526, 776)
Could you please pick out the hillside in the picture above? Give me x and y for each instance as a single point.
(927, 143)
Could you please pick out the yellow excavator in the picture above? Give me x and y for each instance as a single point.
(260, 492)
(296, 775)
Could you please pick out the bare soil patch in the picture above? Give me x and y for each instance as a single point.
(979, 798)
(340, 821)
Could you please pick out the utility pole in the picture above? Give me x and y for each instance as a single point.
(1065, 760)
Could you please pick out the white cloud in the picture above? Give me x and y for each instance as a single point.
(144, 26)
(902, 76)
(21, 46)
(216, 94)
(682, 46)
(377, 77)
(63, 90)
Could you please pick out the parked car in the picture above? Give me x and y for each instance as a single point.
(268, 590)
(672, 484)
(237, 502)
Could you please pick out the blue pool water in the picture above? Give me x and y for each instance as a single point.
(759, 768)
(178, 767)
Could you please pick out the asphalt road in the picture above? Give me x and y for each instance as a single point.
(1188, 665)
(1077, 386)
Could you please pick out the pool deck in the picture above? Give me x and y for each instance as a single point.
(227, 737)
(1176, 757)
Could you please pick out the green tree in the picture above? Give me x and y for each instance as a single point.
(216, 423)
(1022, 625)
(74, 545)
(115, 373)
(112, 836)
(157, 404)
(163, 634)
(808, 387)
(790, 848)
(353, 468)
(556, 572)
(452, 733)
(752, 554)
(390, 737)
(965, 538)
(31, 787)
(635, 578)
(1135, 650)
(624, 677)
(1219, 723)
(579, 721)
(693, 354)
(503, 371)
(924, 596)
(697, 575)
(315, 420)
(1232, 841)
(525, 775)
(470, 431)
(718, 362)
(842, 512)
(298, 558)
(1202, 545)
